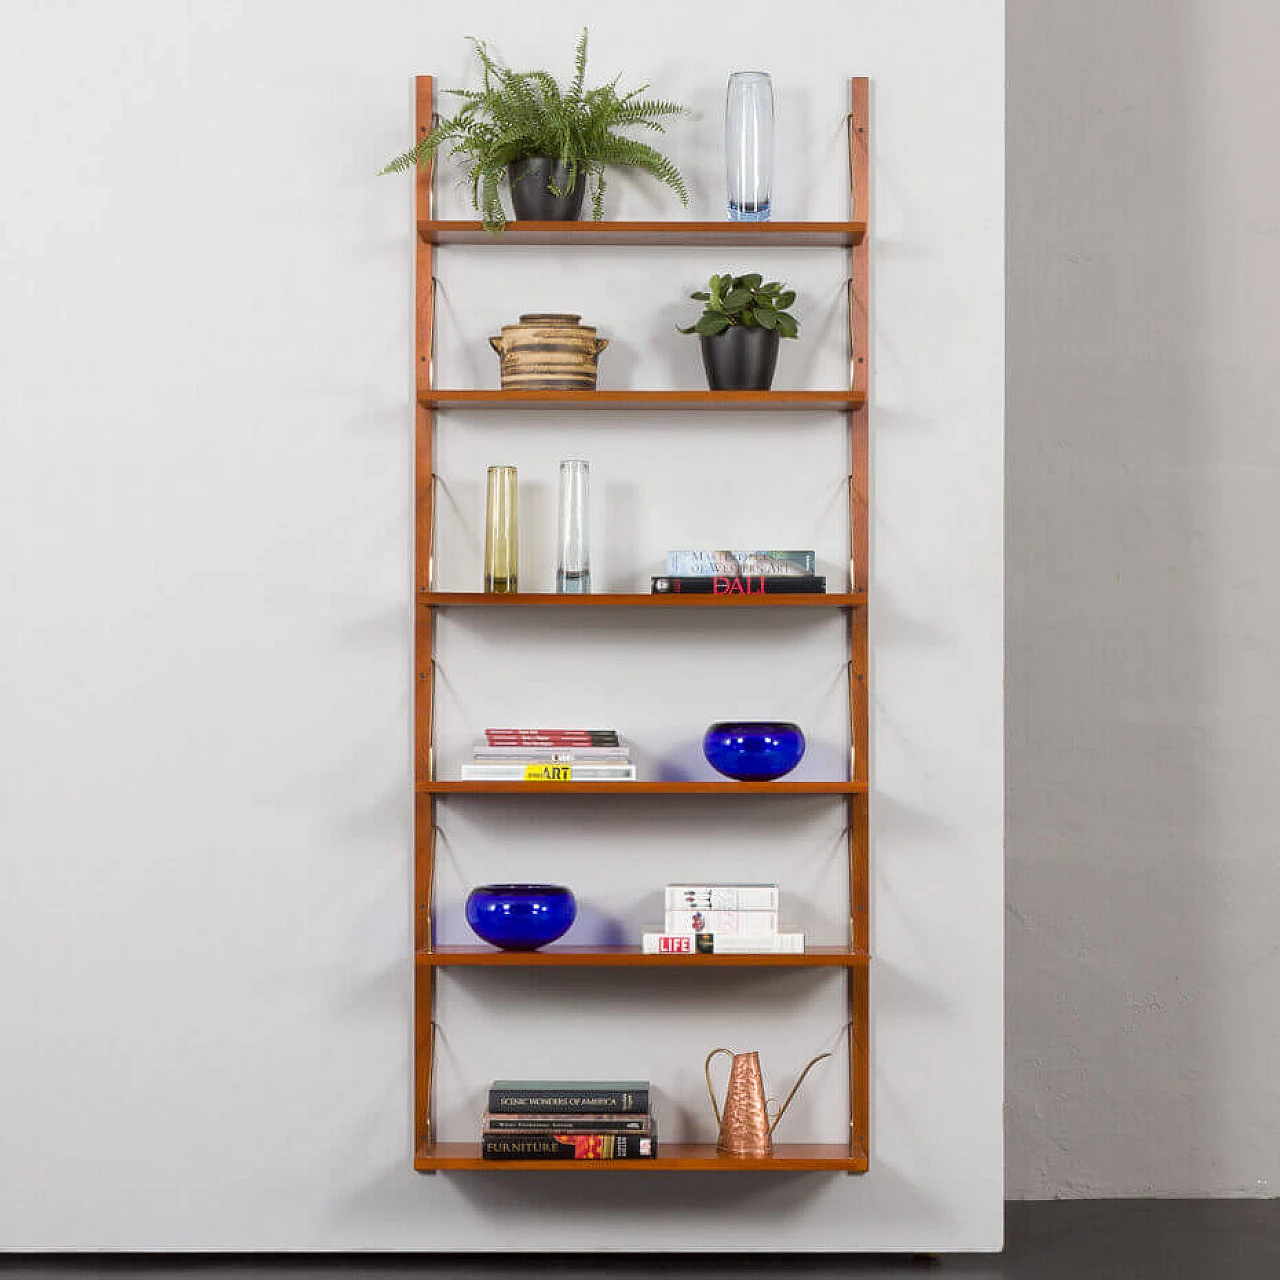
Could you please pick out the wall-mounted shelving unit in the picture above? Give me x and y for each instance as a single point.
(430, 790)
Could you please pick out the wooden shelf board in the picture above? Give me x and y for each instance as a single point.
(788, 1157)
(745, 234)
(478, 954)
(620, 600)
(775, 401)
(727, 788)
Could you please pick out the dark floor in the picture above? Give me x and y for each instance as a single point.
(1047, 1240)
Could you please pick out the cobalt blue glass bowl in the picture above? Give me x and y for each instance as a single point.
(753, 750)
(521, 917)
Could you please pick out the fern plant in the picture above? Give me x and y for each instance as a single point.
(516, 115)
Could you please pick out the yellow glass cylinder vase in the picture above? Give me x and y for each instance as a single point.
(501, 532)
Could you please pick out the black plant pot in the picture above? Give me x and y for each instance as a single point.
(740, 359)
(531, 180)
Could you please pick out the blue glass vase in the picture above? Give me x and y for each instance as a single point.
(753, 750)
(748, 145)
(521, 917)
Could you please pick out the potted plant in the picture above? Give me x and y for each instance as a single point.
(742, 321)
(548, 143)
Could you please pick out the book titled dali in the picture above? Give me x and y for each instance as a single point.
(761, 584)
(568, 1146)
(572, 1097)
(740, 563)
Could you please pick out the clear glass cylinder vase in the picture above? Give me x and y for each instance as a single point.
(501, 532)
(748, 145)
(573, 543)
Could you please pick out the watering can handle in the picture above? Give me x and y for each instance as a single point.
(706, 1067)
(813, 1062)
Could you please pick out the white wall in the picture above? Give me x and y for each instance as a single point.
(205, 332)
(1144, 1032)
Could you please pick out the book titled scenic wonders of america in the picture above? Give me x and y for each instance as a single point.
(614, 1097)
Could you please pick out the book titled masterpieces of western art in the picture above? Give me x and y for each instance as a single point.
(569, 1097)
(712, 564)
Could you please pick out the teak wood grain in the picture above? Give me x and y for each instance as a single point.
(692, 1157)
(438, 787)
(844, 401)
(631, 957)
(424, 635)
(637, 600)
(736, 234)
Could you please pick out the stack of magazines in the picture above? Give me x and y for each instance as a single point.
(721, 919)
(550, 755)
(753, 573)
(569, 1120)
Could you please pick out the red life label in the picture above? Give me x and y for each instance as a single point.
(675, 946)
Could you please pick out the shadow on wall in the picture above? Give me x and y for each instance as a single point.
(1106, 652)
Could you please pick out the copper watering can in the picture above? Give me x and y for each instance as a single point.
(744, 1127)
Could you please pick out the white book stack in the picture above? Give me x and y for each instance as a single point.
(550, 755)
(725, 919)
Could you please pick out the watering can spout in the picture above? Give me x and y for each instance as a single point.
(745, 1129)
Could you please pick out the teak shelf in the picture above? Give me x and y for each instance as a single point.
(597, 401)
(851, 401)
(695, 1157)
(698, 234)
(436, 786)
(614, 600)
(627, 957)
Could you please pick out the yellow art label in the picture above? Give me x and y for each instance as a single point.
(548, 773)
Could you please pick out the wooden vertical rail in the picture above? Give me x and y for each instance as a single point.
(424, 835)
(859, 551)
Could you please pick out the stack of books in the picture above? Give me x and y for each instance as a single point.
(723, 919)
(569, 1120)
(550, 755)
(754, 573)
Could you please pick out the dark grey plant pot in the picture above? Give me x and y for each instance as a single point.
(740, 359)
(531, 180)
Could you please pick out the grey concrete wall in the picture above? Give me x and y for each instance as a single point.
(1142, 610)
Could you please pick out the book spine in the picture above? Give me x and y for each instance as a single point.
(561, 1123)
(731, 562)
(745, 945)
(614, 1102)
(722, 897)
(620, 755)
(552, 737)
(676, 944)
(719, 922)
(753, 585)
(691, 944)
(570, 1146)
(577, 772)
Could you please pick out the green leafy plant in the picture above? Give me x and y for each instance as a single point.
(747, 301)
(515, 115)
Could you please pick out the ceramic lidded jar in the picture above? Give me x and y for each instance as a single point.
(548, 351)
